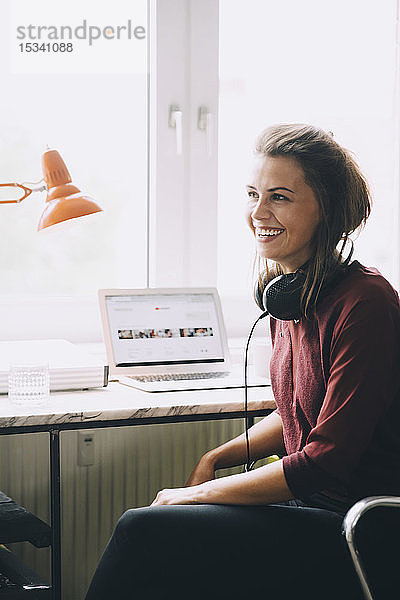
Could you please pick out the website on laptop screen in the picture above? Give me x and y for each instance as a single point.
(164, 329)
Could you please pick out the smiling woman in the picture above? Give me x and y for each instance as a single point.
(307, 196)
(325, 200)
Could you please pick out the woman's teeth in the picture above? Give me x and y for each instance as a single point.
(268, 232)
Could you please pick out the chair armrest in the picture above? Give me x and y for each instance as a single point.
(349, 527)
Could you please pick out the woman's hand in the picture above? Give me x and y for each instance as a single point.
(203, 471)
(186, 495)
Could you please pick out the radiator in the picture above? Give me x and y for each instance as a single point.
(131, 465)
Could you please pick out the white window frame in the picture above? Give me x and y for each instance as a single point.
(184, 189)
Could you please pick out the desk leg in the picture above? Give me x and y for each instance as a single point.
(55, 513)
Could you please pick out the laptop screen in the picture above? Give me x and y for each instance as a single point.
(164, 329)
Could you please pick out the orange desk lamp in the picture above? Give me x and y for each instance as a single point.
(64, 200)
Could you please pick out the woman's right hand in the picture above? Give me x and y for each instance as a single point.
(203, 471)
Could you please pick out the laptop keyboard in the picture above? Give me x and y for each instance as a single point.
(178, 376)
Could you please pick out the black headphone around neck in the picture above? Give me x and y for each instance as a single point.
(280, 298)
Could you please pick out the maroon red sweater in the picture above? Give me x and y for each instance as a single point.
(336, 382)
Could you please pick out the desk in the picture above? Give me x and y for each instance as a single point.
(117, 406)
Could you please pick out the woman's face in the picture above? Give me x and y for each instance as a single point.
(283, 212)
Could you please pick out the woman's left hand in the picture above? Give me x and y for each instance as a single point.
(186, 495)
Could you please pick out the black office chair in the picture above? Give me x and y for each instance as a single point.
(17, 580)
(362, 562)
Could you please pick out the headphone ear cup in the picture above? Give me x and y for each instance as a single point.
(281, 296)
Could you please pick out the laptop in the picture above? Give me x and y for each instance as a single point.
(163, 339)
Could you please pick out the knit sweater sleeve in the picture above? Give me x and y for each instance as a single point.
(363, 382)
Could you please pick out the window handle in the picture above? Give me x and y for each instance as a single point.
(175, 122)
(205, 122)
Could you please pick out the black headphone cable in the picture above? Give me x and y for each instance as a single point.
(249, 465)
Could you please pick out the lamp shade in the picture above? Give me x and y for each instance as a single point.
(64, 200)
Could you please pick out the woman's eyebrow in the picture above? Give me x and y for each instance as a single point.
(280, 188)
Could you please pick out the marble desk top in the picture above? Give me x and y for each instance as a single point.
(120, 402)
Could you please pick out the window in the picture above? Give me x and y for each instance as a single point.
(332, 64)
(155, 198)
(167, 217)
(90, 103)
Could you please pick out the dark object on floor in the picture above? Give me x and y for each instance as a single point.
(17, 580)
(19, 525)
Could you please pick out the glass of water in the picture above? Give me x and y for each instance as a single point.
(29, 384)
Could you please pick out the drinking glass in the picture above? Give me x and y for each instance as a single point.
(29, 384)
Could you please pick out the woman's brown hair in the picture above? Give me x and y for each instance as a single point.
(342, 193)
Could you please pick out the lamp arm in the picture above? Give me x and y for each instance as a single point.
(36, 187)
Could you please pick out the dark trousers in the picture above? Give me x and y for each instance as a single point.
(275, 552)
